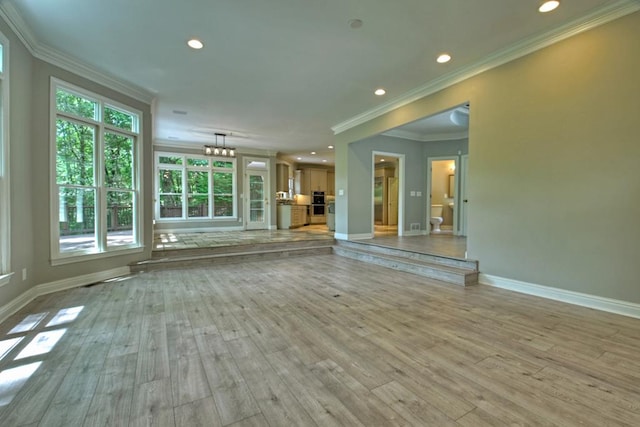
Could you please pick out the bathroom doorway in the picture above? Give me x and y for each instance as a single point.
(387, 203)
(442, 186)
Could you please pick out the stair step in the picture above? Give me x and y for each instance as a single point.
(467, 264)
(410, 263)
(192, 258)
(249, 247)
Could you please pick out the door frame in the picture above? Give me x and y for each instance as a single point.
(463, 200)
(246, 168)
(456, 195)
(401, 184)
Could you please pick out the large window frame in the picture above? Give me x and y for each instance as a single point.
(5, 188)
(105, 240)
(186, 168)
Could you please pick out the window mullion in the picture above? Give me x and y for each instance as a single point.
(101, 196)
(185, 193)
(211, 200)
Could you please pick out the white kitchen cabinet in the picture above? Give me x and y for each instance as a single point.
(291, 216)
(283, 217)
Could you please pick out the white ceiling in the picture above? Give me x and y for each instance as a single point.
(278, 74)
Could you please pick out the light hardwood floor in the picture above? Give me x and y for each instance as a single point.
(316, 341)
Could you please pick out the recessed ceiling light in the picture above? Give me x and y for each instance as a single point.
(330, 147)
(195, 44)
(313, 152)
(324, 160)
(355, 23)
(548, 6)
(380, 92)
(381, 160)
(443, 58)
(298, 158)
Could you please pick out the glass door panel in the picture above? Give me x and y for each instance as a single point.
(257, 203)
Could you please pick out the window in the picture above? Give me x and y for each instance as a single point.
(5, 229)
(194, 187)
(96, 183)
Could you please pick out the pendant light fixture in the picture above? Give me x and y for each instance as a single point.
(216, 150)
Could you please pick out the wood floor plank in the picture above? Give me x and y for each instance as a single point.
(152, 404)
(153, 355)
(365, 405)
(316, 341)
(323, 407)
(111, 403)
(255, 421)
(409, 406)
(277, 403)
(32, 400)
(188, 380)
(231, 393)
(199, 413)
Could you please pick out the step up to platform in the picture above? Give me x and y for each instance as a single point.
(208, 256)
(452, 270)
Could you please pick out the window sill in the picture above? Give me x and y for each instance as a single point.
(83, 257)
(5, 279)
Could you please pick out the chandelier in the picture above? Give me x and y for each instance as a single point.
(216, 150)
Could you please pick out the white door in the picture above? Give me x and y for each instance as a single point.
(257, 201)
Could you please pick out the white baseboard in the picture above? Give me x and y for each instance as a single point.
(413, 233)
(362, 236)
(577, 298)
(197, 229)
(58, 285)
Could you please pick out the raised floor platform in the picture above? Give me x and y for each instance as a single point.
(439, 257)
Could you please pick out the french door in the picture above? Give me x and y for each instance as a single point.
(257, 200)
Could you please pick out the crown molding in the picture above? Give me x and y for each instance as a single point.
(529, 45)
(20, 28)
(413, 136)
(54, 57)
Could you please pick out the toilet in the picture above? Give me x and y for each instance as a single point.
(436, 218)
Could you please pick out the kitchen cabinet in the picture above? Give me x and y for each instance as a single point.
(317, 180)
(291, 216)
(301, 183)
(283, 217)
(282, 177)
(331, 183)
(298, 215)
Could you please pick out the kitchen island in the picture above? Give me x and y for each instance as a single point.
(291, 216)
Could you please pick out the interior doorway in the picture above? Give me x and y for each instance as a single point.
(442, 186)
(387, 204)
